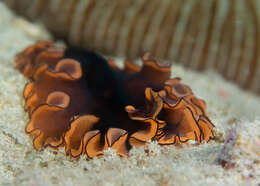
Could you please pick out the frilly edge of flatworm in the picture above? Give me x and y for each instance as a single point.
(79, 100)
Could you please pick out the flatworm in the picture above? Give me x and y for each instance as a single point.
(81, 101)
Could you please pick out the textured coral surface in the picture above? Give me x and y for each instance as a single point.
(214, 34)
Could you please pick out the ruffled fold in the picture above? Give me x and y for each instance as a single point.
(184, 115)
(36, 55)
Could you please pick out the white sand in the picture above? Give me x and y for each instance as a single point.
(227, 106)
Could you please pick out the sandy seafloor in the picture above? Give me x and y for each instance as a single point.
(228, 107)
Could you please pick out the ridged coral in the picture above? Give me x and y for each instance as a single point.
(216, 34)
(79, 100)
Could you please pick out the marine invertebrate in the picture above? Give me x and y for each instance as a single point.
(79, 100)
(217, 34)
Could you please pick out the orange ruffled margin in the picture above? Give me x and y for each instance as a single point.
(64, 111)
